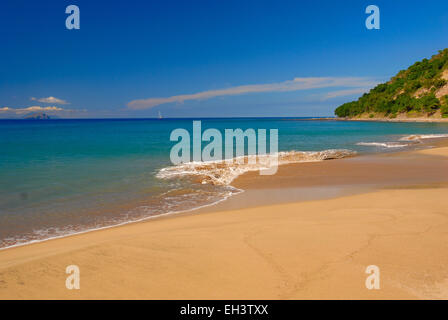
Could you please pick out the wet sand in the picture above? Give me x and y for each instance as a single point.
(308, 232)
(342, 177)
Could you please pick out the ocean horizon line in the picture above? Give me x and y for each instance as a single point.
(169, 118)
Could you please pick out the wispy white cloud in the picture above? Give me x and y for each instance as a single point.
(52, 109)
(290, 85)
(49, 100)
(344, 93)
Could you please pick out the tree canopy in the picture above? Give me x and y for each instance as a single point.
(411, 90)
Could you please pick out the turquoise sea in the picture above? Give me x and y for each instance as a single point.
(59, 177)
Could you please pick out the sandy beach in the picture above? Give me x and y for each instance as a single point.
(334, 219)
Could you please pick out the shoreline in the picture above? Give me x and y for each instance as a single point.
(249, 181)
(327, 179)
(145, 219)
(382, 119)
(418, 120)
(235, 247)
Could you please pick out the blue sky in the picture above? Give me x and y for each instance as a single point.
(206, 58)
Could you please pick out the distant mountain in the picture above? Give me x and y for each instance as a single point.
(419, 91)
(37, 116)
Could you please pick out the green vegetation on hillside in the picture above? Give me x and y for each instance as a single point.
(410, 91)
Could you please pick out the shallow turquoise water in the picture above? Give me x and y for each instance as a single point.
(63, 176)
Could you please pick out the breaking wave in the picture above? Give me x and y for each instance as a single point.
(383, 144)
(405, 141)
(223, 172)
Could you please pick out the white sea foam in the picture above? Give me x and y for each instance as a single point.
(418, 137)
(224, 172)
(383, 144)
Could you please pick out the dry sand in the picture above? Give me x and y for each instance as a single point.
(293, 250)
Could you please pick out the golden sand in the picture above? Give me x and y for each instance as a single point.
(298, 250)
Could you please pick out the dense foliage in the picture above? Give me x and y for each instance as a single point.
(411, 91)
